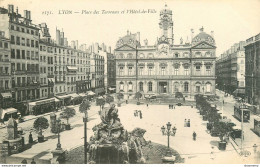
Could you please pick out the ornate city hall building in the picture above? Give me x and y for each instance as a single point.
(166, 68)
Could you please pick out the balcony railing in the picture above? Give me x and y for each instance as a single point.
(33, 72)
(4, 74)
(4, 60)
(50, 76)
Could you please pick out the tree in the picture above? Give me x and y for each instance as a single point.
(68, 113)
(109, 99)
(223, 128)
(40, 124)
(138, 95)
(178, 95)
(100, 102)
(84, 106)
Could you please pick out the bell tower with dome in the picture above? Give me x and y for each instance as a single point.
(166, 26)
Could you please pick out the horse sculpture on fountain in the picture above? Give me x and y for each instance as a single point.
(112, 144)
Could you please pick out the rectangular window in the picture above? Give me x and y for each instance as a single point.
(28, 55)
(12, 39)
(162, 70)
(12, 27)
(13, 53)
(32, 43)
(17, 40)
(176, 71)
(208, 70)
(186, 70)
(198, 89)
(18, 67)
(6, 45)
(141, 70)
(121, 71)
(23, 54)
(150, 70)
(18, 54)
(28, 42)
(130, 70)
(23, 42)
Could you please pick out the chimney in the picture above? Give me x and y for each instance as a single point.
(212, 34)
(73, 44)
(65, 42)
(10, 8)
(96, 48)
(192, 34)
(25, 14)
(76, 44)
(17, 10)
(57, 36)
(29, 15)
(138, 36)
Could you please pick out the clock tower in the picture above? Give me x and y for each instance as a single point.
(166, 25)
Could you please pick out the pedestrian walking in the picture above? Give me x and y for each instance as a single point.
(194, 135)
(223, 102)
(188, 123)
(169, 106)
(30, 138)
(147, 105)
(185, 123)
(140, 114)
(33, 162)
(184, 99)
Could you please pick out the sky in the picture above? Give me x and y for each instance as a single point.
(231, 20)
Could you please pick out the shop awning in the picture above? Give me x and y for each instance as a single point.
(82, 95)
(74, 96)
(31, 104)
(90, 93)
(239, 91)
(6, 95)
(55, 99)
(99, 90)
(7, 111)
(72, 68)
(63, 97)
(111, 89)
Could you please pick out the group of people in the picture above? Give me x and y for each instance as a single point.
(138, 113)
(187, 123)
(25, 161)
(171, 106)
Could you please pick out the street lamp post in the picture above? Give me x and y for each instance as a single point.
(85, 119)
(169, 158)
(58, 126)
(167, 131)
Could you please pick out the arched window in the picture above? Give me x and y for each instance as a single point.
(150, 55)
(176, 55)
(176, 86)
(130, 56)
(121, 56)
(198, 54)
(130, 86)
(208, 87)
(141, 55)
(141, 86)
(186, 54)
(186, 87)
(150, 86)
(121, 85)
(207, 54)
(197, 85)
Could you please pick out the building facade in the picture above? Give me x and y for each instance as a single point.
(165, 67)
(111, 72)
(5, 71)
(252, 54)
(230, 70)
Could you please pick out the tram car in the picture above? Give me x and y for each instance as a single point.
(238, 112)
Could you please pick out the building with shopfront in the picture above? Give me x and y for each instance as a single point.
(230, 70)
(5, 72)
(252, 54)
(166, 67)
